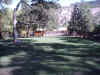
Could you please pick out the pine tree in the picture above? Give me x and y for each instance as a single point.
(81, 22)
(75, 22)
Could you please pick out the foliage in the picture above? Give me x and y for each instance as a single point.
(96, 19)
(3, 3)
(7, 20)
(47, 17)
(81, 21)
(53, 19)
(41, 15)
(3, 14)
(88, 17)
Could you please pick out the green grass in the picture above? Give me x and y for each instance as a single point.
(51, 55)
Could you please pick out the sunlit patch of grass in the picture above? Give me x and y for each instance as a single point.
(22, 53)
(76, 44)
(94, 64)
(6, 60)
(72, 41)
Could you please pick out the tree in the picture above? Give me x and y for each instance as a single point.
(14, 17)
(4, 2)
(96, 19)
(41, 15)
(53, 19)
(81, 21)
(6, 22)
(0, 24)
(75, 22)
(37, 16)
(47, 17)
(88, 17)
(3, 12)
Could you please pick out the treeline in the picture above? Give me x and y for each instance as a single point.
(42, 14)
(83, 23)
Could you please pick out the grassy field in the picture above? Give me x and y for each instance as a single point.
(50, 56)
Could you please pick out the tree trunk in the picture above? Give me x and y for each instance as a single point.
(0, 33)
(28, 34)
(0, 27)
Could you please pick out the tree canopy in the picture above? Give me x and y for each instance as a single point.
(39, 14)
(4, 2)
(81, 20)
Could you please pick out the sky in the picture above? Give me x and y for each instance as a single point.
(68, 2)
(14, 3)
(62, 2)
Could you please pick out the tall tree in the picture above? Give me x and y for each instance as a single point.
(75, 22)
(41, 12)
(87, 15)
(81, 20)
(23, 2)
(0, 24)
(38, 16)
(3, 12)
(47, 9)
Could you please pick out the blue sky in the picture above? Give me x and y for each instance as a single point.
(62, 2)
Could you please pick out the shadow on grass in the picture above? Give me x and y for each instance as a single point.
(76, 40)
(50, 58)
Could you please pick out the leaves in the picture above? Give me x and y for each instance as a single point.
(40, 14)
(81, 21)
